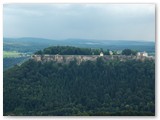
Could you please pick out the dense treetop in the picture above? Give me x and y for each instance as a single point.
(91, 88)
(129, 52)
(69, 50)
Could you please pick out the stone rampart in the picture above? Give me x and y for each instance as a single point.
(80, 58)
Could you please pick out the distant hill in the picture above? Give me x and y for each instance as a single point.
(28, 44)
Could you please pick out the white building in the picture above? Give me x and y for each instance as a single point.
(142, 54)
(101, 54)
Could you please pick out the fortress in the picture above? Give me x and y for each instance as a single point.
(80, 58)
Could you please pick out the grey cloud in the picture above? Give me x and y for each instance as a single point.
(88, 21)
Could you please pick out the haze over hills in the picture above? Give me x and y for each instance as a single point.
(33, 44)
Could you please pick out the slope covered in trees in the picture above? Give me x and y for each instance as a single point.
(10, 62)
(91, 88)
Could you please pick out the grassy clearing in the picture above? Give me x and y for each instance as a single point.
(8, 54)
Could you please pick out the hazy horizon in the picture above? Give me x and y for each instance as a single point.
(131, 22)
(77, 39)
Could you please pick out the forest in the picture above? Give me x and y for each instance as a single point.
(70, 50)
(93, 88)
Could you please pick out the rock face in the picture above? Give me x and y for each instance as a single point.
(80, 58)
(64, 58)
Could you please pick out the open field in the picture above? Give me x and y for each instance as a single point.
(8, 54)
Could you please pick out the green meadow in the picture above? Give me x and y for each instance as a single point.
(8, 54)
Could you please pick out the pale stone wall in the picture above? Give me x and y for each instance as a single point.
(80, 58)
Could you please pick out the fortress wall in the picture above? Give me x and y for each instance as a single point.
(80, 58)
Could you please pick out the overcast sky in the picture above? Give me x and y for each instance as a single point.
(83, 21)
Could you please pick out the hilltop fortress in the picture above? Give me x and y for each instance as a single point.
(79, 58)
